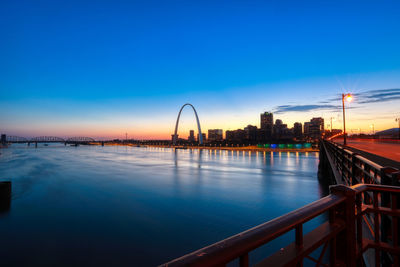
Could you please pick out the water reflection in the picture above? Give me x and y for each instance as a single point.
(193, 159)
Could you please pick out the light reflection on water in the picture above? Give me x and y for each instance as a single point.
(114, 205)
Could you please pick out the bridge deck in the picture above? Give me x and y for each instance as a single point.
(382, 153)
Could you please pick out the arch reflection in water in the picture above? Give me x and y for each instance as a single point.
(192, 151)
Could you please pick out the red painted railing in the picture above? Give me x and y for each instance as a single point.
(342, 235)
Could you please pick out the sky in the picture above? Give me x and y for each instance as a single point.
(105, 68)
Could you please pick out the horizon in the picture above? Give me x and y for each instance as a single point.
(103, 69)
(182, 134)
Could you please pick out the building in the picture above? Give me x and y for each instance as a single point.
(237, 136)
(263, 135)
(230, 136)
(3, 139)
(266, 125)
(240, 135)
(191, 136)
(251, 133)
(297, 130)
(280, 129)
(307, 128)
(215, 135)
(315, 128)
(318, 121)
(204, 137)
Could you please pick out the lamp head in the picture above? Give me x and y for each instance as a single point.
(348, 97)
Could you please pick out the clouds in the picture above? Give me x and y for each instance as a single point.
(303, 108)
(381, 95)
(333, 104)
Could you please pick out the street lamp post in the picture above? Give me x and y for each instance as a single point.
(398, 120)
(348, 97)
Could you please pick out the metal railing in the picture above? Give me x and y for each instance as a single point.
(355, 169)
(342, 234)
(352, 168)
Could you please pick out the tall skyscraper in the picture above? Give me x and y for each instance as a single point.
(267, 120)
(266, 125)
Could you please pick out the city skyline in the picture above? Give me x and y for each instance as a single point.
(275, 120)
(104, 70)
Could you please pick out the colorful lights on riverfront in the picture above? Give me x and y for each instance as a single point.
(285, 146)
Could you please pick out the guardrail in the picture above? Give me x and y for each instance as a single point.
(350, 168)
(342, 233)
(354, 169)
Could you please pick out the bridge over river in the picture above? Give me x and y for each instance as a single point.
(362, 210)
(47, 139)
(381, 151)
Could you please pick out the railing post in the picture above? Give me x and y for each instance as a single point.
(395, 230)
(332, 218)
(359, 220)
(395, 177)
(299, 241)
(386, 179)
(354, 179)
(244, 260)
(342, 164)
(346, 241)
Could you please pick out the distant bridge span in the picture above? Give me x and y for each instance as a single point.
(15, 139)
(80, 139)
(49, 139)
(177, 123)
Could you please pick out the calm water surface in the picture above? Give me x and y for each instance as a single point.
(129, 206)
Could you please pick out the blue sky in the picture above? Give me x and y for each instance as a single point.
(103, 68)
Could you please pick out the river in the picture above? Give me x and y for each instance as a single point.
(138, 206)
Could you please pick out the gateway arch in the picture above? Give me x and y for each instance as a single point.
(177, 123)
